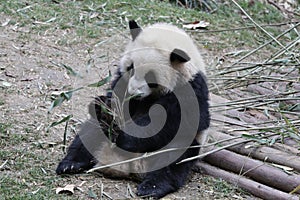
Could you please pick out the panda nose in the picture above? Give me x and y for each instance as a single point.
(133, 91)
(138, 87)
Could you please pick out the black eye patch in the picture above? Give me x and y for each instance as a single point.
(151, 80)
(130, 67)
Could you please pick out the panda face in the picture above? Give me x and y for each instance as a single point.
(158, 58)
(150, 72)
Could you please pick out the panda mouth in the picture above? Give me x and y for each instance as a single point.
(153, 85)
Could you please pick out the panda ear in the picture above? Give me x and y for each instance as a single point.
(180, 56)
(135, 29)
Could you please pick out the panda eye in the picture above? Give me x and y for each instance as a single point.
(150, 78)
(130, 67)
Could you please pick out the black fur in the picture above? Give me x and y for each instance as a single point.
(156, 183)
(178, 55)
(135, 29)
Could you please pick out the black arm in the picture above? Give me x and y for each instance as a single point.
(153, 139)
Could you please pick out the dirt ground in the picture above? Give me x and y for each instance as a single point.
(31, 73)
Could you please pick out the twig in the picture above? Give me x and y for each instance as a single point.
(146, 155)
(286, 48)
(3, 164)
(266, 32)
(242, 28)
(220, 148)
(254, 99)
(263, 128)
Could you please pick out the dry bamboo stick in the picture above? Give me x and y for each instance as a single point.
(255, 188)
(255, 169)
(262, 153)
(265, 44)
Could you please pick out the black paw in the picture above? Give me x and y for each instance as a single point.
(150, 188)
(69, 167)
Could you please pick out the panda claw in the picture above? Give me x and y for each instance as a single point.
(66, 167)
(149, 189)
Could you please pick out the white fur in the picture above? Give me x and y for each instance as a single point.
(151, 51)
(107, 154)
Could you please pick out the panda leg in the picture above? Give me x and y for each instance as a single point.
(168, 179)
(80, 158)
(77, 159)
(159, 183)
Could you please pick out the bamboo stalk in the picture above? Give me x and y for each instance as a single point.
(262, 152)
(265, 44)
(257, 170)
(255, 188)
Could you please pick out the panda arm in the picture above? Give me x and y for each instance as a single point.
(99, 106)
(157, 139)
(201, 90)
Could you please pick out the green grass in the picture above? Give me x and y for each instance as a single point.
(222, 189)
(95, 19)
(2, 102)
(4, 127)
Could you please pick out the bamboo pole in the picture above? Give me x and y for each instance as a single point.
(255, 169)
(264, 153)
(255, 188)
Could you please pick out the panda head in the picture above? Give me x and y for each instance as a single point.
(159, 58)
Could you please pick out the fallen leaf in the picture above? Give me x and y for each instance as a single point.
(5, 23)
(69, 189)
(6, 84)
(196, 25)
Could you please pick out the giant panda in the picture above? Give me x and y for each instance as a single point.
(161, 84)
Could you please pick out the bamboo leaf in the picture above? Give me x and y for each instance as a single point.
(92, 194)
(64, 96)
(70, 70)
(255, 138)
(67, 118)
(56, 102)
(132, 97)
(100, 83)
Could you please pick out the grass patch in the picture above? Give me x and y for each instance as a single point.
(89, 19)
(2, 102)
(222, 188)
(4, 127)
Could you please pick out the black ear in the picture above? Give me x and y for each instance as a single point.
(135, 29)
(180, 56)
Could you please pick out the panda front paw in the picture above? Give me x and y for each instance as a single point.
(71, 167)
(154, 189)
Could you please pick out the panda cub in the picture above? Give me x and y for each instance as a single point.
(158, 102)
